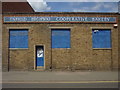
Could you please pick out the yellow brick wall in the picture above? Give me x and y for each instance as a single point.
(81, 55)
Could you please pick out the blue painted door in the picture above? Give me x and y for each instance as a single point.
(40, 56)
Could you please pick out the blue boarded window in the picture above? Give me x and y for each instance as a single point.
(60, 38)
(18, 38)
(101, 38)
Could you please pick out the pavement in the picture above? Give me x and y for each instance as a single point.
(59, 76)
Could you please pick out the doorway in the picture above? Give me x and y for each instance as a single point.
(39, 57)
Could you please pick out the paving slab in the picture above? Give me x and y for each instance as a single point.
(25, 76)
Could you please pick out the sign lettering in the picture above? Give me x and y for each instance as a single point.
(59, 19)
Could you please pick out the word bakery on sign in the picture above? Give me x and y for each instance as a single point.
(59, 19)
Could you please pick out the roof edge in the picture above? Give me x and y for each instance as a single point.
(61, 13)
(30, 6)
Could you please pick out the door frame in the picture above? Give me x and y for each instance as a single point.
(35, 66)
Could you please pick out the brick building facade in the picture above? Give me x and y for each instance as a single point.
(67, 41)
(59, 41)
